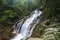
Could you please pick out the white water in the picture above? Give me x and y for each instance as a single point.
(26, 28)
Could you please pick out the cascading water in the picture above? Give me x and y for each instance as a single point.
(24, 30)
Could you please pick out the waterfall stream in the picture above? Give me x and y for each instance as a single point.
(24, 30)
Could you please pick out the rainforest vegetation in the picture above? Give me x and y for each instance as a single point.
(14, 10)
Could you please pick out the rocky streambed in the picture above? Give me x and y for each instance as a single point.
(34, 38)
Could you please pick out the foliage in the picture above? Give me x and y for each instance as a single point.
(14, 10)
(50, 21)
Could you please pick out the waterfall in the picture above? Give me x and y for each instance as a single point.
(24, 30)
